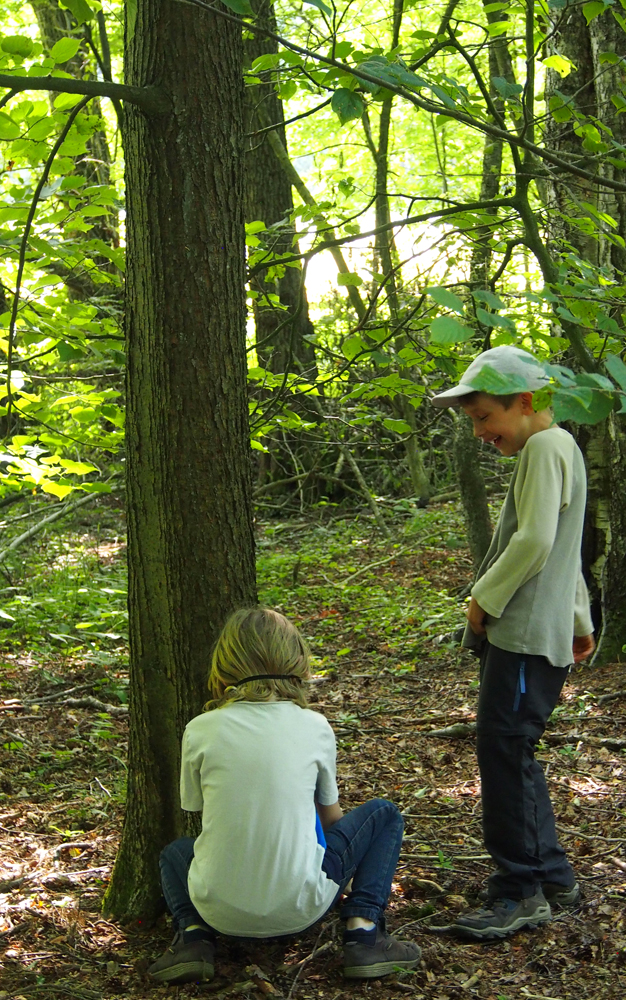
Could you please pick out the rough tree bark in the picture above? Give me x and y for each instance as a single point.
(191, 552)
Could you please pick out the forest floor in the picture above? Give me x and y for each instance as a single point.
(371, 611)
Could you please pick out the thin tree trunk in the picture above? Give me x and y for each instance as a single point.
(280, 333)
(472, 487)
(191, 552)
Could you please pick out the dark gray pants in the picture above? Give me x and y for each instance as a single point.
(517, 695)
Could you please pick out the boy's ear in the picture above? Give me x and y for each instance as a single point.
(526, 400)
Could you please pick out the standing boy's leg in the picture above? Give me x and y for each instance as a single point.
(365, 846)
(517, 695)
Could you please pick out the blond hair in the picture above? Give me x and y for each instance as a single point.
(254, 642)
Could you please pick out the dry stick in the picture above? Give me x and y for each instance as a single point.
(36, 528)
(611, 697)
(305, 961)
(358, 475)
(619, 863)
(24, 245)
(99, 706)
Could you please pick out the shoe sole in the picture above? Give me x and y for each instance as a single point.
(185, 972)
(378, 969)
(497, 933)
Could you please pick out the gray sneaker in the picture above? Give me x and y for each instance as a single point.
(561, 895)
(184, 963)
(556, 895)
(362, 961)
(503, 917)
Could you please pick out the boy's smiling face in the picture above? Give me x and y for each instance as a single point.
(507, 429)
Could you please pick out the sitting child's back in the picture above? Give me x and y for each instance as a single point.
(255, 770)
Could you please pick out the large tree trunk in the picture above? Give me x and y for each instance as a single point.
(191, 553)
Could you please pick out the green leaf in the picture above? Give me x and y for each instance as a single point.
(66, 101)
(77, 468)
(493, 301)
(616, 369)
(490, 380)
(583, 405)
(64, 49)
(446, 330)
(349, 278)
(594, 381)
(240, 7)
(494, 321)
(267, 61)
(561, 64)
(347, 105)
(444, 297)
(83, 12)
(399, 426)
(57, 489)
(351, 347)
(67, 352)
(17, 45)
(591, 11)
(504, 88)
(8, 128)
(320, 6)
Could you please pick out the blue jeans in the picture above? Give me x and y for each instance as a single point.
(364, 845)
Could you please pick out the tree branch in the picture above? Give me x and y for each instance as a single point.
(419, 102)
(24, 245)
(152, 100)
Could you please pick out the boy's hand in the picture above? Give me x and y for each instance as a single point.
(476, 617)
(582, 647)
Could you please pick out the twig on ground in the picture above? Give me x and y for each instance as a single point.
(309, 958)
(618, 863)
(100, 706)
(611, 697)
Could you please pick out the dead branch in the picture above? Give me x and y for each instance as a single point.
(611, 697)
(36, 528)
(100, 706)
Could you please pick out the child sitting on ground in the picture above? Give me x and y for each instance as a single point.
(275, 852)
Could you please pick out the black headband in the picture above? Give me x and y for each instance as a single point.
(265, 677)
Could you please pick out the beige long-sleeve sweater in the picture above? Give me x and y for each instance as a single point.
(530, 582)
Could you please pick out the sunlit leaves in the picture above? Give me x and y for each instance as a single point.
(64, 49)
(349, 278)
(449, 300)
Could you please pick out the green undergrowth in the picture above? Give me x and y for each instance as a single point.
(344, 583)
(64, 595)
(65, 592)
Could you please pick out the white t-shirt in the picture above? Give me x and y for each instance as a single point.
(254, 770)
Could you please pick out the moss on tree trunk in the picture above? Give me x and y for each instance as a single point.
(191, 553)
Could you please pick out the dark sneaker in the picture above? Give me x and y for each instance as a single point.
(503, 917)
(185, 963)
(555, 894)
(363, 961)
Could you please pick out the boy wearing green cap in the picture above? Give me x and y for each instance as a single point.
(529, 615)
